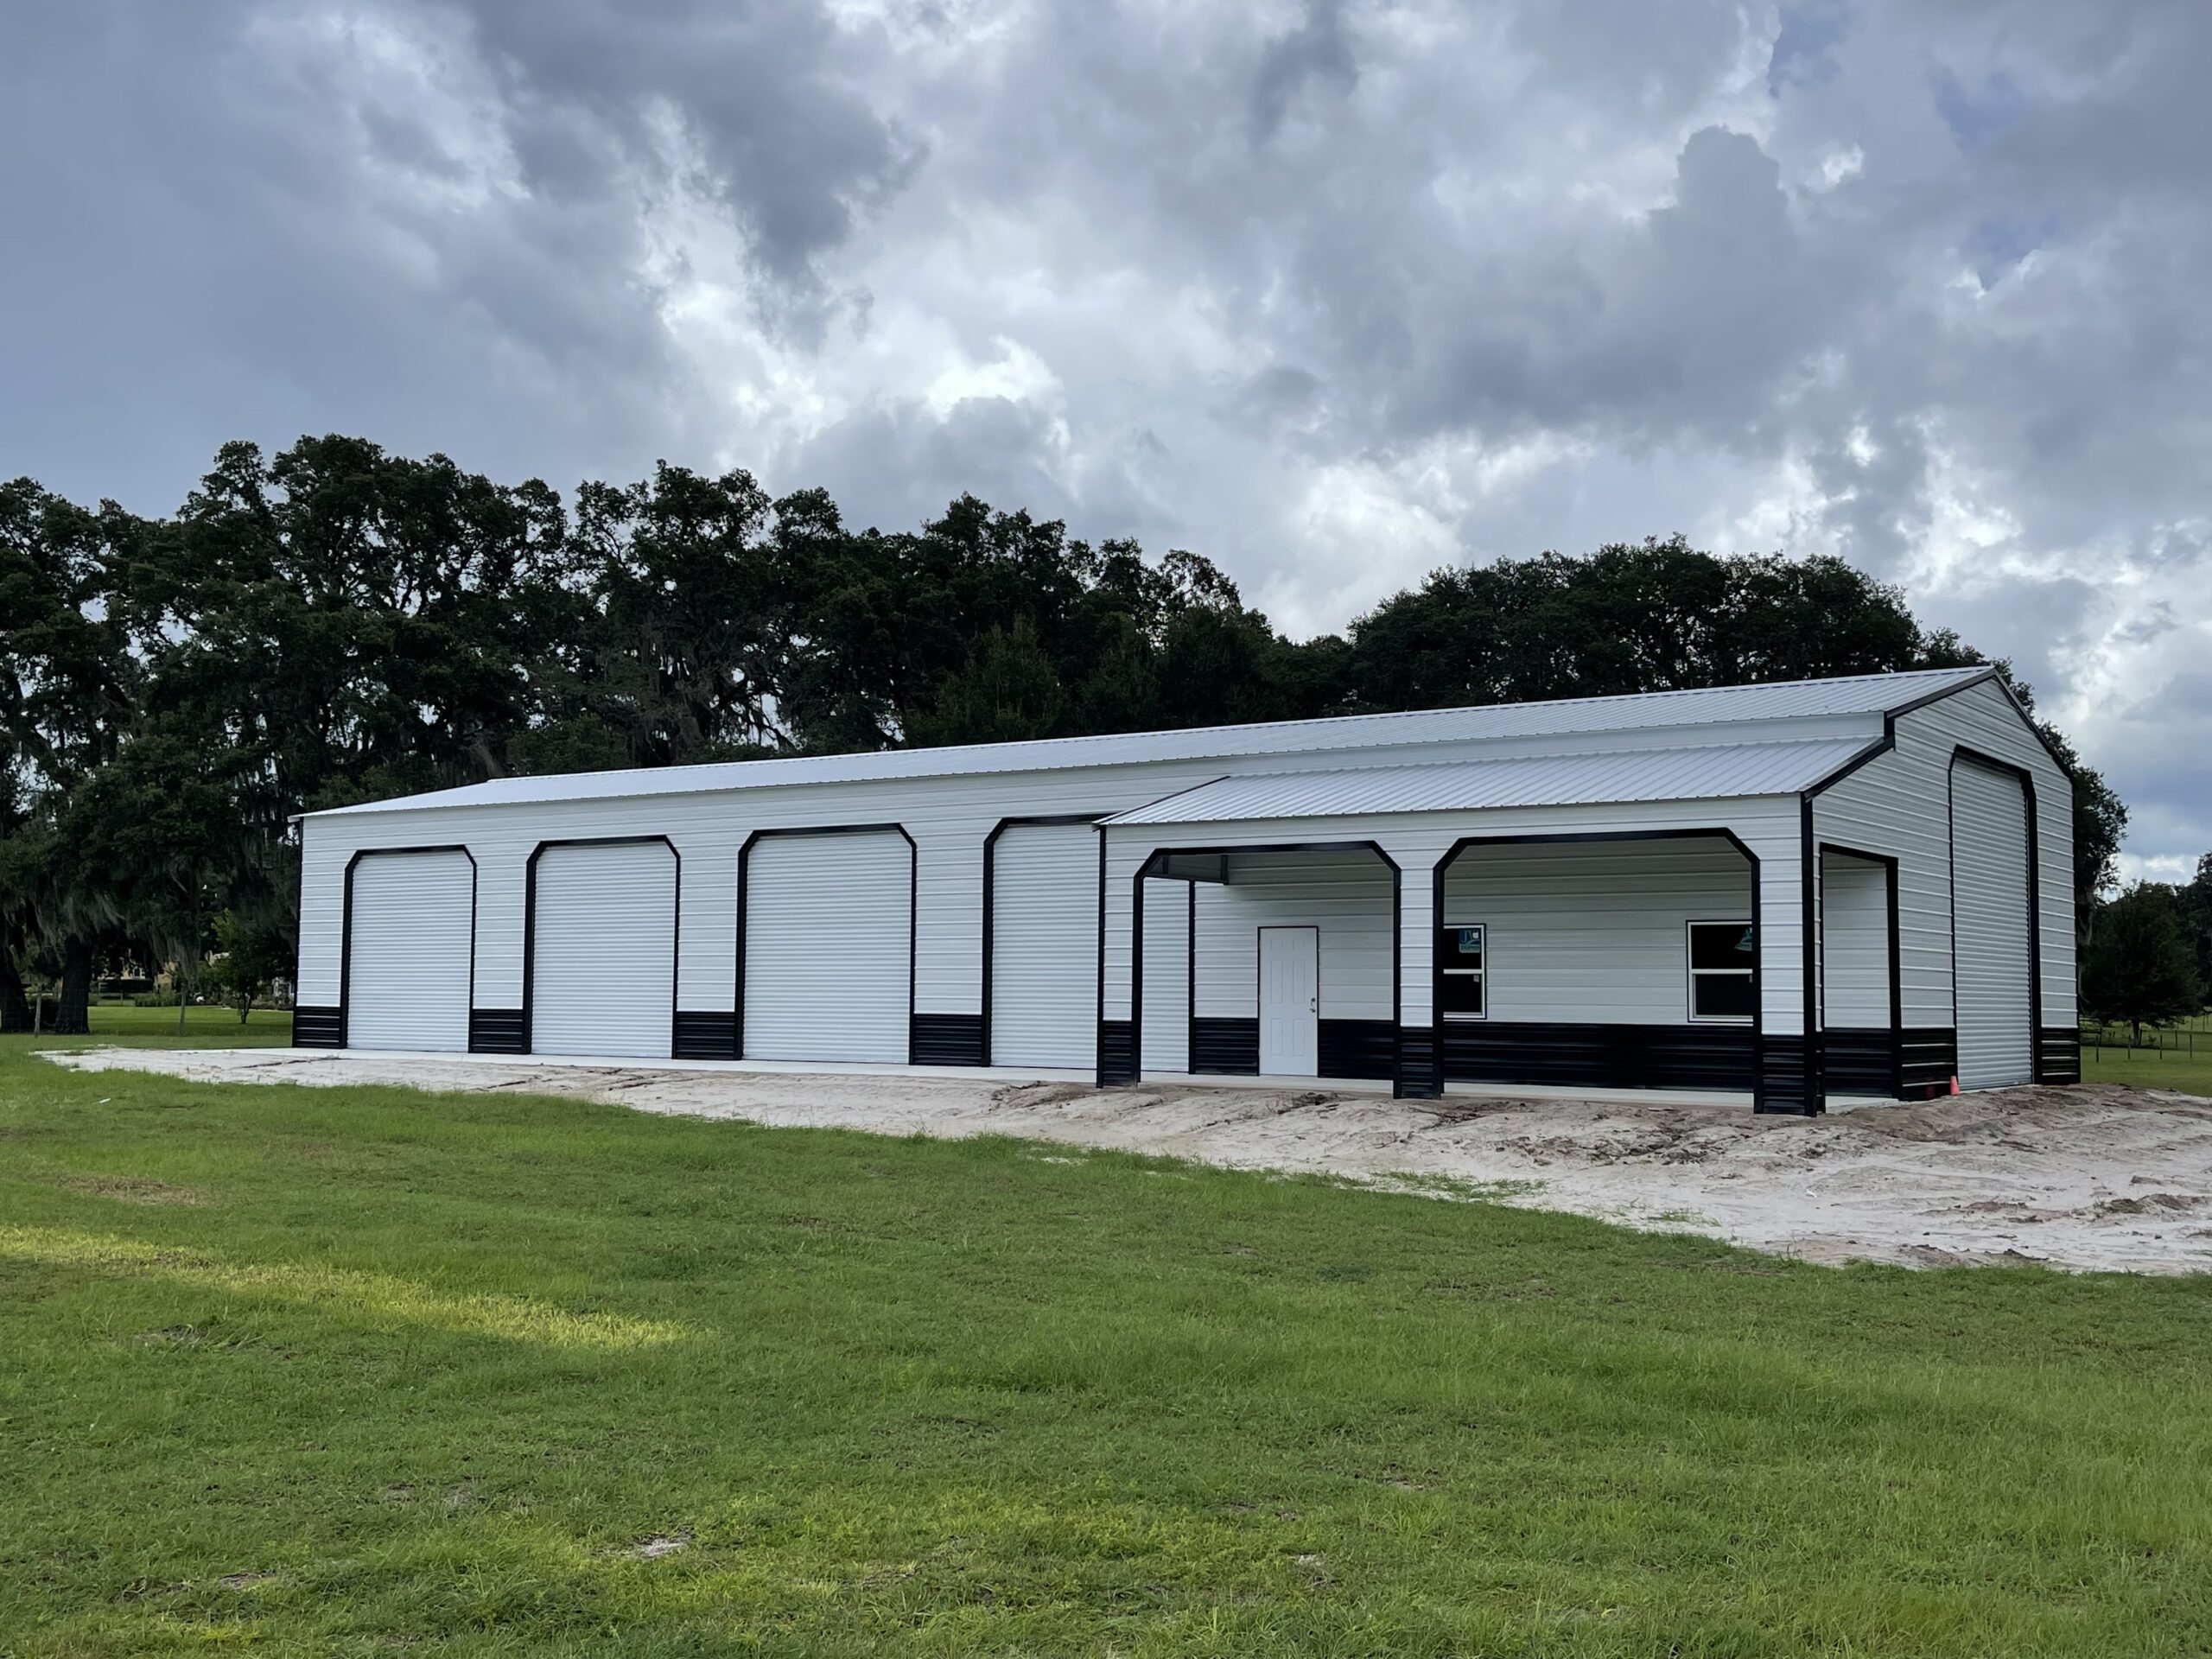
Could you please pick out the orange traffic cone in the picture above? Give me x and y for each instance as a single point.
(1954, 1086)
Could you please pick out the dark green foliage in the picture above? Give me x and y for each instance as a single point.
(2196, 901)
(248, 962)
(1658, 616)
(336, 624)
(2140, 968)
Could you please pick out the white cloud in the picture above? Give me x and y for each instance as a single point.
(1333, 290)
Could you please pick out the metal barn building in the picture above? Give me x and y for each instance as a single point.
(1777, 893)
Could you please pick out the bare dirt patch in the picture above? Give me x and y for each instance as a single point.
(2087, 1177)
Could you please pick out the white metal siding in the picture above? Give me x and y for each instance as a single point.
(1769, 824)
(949, 816)
(1897, 804)
(1594, 933)
(1166, 976)
(828, 964)
(1989, 875)
(1345, 893)
(408, 984)
(1044, 946)
(1854, 944)
(603, 977)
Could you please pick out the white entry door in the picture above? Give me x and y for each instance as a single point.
(1290, 1002)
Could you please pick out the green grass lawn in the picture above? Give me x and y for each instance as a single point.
(204, 1027)
(2172, 1066)
(357, 1370)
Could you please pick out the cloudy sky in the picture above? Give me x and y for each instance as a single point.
(1335, 291)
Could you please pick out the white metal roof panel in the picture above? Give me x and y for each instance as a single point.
(1860, 694)
(1539, 780)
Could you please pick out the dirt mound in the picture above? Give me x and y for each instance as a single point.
(2084, 1177)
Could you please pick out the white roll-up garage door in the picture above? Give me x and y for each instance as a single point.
(603, 956)
(413, 928)
(1989, 887)
(1044, 946)
(829, 938)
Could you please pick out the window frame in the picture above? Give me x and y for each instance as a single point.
(1692, 973)
(1480, 975)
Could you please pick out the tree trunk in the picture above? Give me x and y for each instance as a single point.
(14, 1007)
(70, 1019)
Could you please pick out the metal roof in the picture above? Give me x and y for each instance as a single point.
(1668, 774)
(1860, 694)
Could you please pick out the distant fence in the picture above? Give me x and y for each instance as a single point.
(2157, 1041)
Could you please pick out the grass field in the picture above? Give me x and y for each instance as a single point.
(208, 1027)
(2169, 1067)
(359, 1371)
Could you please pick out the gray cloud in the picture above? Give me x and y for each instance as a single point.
(1332, 290)
(1315, 53)
(792, 151)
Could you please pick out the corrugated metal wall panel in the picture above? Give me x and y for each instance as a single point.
(603, 980)
(1984, 719)
(1044, 946)
(1579, 934)
(408, 985)
(1854, 944)
(1989, 874)
(1346, 893)
(950, 818)
(1166, 976)
(1898, 804)
(827, 962)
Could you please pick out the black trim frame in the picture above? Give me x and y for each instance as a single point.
(529, 930)
(1976, 757)
(1721, 832)
(1136, 936)
(990, 894)
(1890, 871)
(1813, 1047)
(346, 928)
(1190, 979)
(913, 908)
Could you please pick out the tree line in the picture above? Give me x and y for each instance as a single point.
(334, 623)
(2149, 955)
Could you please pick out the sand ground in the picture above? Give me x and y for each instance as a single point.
(2084, 1178)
